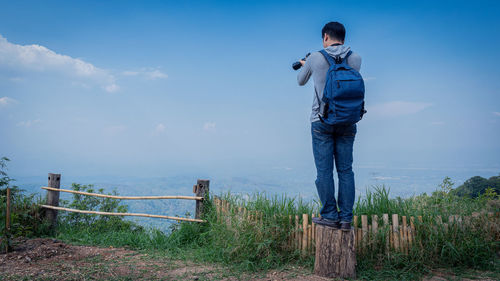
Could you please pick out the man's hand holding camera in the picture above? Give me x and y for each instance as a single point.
(298, 64)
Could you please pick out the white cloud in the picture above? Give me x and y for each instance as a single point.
(28, 123)
(496, 113)
(397, 108)
(16, 79)
(4, 101)
(111, 88)
(209, 126)
(160, 128)
(148, 73)
(156, 74)
(37, 58)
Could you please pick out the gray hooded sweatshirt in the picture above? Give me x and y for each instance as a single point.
(317, 66)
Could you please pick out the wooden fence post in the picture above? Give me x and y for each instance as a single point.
(404, 229)
(297, 233)
(385, 219)
(375, 225)
(374, 233)
(7, 221)
(53, 198)
(305, 223)
(364, 227)
(7, 211)
(395, 231)
(357, 243)
(202, 190)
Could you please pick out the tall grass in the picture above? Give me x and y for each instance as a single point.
(247, 244)
(256, 245)
(472, 245)
(25, 216)
(252, 245)
(244, 244)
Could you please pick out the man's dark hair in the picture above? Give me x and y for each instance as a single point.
(335, 30)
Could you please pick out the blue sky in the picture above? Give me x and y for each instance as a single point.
(159, 87)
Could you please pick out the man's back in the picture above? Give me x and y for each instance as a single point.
(316, 66)
(332, 143)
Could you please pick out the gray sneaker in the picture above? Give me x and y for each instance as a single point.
(345, 226)
(327, 222)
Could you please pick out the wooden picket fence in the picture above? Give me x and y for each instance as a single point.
(400, 232)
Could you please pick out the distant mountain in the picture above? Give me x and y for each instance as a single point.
(475, 186)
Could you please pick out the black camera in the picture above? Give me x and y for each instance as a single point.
(297, 65)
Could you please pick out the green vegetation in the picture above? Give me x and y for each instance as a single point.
(461, 246)
(26, 214)
(476, 186)
(99, 230)
(245, 245)
(442, 202)
(95, 222)
(254, 246)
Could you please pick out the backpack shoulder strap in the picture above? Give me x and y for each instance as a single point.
(327, 57)
(346, 56)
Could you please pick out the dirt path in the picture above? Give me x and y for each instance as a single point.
(49, 259)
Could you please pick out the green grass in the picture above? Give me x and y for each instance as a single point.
(246, 246)
(262, 246)
(473, 246)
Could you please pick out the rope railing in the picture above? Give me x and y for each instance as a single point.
(121, 214)
(125, 197)
(201, 190)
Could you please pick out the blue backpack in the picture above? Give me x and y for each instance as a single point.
(344, 94)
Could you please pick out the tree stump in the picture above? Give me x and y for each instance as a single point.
(335, 253)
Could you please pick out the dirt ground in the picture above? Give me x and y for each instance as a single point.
(50, 259)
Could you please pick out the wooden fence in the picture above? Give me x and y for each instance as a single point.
(201, 189)
(400, 232)
(7, 221)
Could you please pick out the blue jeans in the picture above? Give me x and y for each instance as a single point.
(334, 143)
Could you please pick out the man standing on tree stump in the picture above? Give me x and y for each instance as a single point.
(338, 104)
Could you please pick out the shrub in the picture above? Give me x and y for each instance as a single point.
(91, 203)
(26, 217)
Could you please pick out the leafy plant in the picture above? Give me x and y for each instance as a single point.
(26, 216)
(91, 203)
